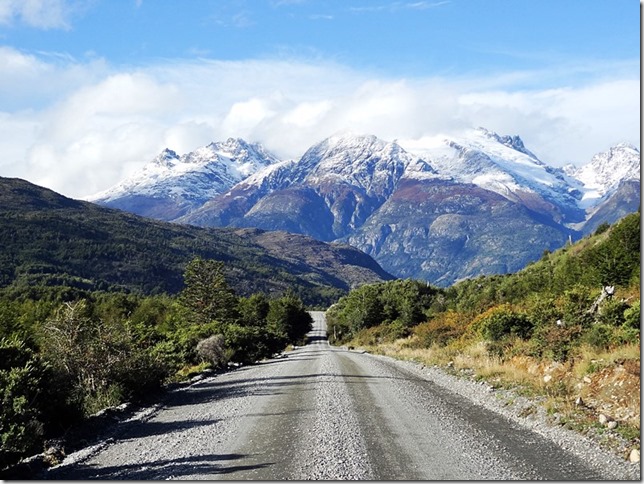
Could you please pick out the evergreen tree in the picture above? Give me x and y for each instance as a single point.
(206, 292)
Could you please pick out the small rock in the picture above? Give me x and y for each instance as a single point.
(54, 453)
(612, 424)
(450, 364)
(603, 419)
(587, 379)
(634, 456)
(579, 402)
(547, 378)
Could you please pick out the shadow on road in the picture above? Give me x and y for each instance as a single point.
(147, 429)
(160, 469)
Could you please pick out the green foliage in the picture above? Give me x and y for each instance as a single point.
(617, 258)
(21, 380)
(99, 357)
(253, 310)
(502, 321)
(601, 228)
(575, 303)
(613, 312)
(632, 316)
(288, 318)
(206, 292)
(401, 304)
(248, 344)
(600, 336)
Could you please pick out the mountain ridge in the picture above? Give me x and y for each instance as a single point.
(344, 188)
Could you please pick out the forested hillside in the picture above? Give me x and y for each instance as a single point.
(51, 240)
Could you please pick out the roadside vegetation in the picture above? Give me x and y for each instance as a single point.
(565, 330)
(67, 353)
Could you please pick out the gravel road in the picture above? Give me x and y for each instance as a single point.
(320, 412)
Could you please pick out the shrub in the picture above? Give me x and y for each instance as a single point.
(213, 350)
(599, 336)
(628, 336)
(502, 321)
(575, 303)
(612, 312)
(632, 316)
(440, 330)
(370, 336)
(100, 358)
(555, 342)
(21, 382)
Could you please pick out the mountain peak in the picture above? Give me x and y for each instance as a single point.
(166, 158)
(511, 141)
(189, 180)
(606, 170)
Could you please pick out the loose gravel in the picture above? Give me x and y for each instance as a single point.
(334, 448)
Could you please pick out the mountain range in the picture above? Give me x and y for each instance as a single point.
(447, 208)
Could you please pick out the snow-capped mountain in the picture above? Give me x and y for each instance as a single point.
(440, 208)
(327, 193)
(602, 176)
(502, 164)
(171, 185)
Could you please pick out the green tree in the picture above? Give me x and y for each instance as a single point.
(206, 292)
(617, 259)
(288, 316)
(253, 310)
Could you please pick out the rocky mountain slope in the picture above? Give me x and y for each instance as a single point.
(53, 240)
(444, 209)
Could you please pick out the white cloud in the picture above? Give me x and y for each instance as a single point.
(307, 114)
(98, 124)
(565, 124)
(22, 83)
(246, 115)
(42, 14)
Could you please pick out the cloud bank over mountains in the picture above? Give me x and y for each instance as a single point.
(80, 125)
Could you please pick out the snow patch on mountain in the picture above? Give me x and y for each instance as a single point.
(363, 161)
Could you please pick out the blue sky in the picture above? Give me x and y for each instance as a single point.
(92, 89)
